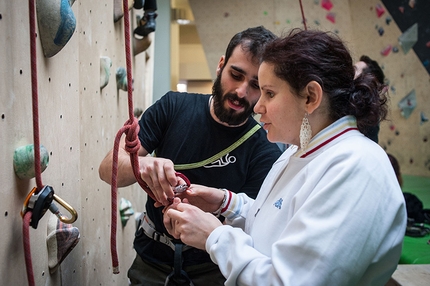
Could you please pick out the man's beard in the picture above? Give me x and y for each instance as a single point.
(229, 116)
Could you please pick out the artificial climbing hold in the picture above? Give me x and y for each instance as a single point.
(121, 78)
(23, 161)
(141, 45)
(61, 240)
(105, 65)
(125, 210)
(56, 23)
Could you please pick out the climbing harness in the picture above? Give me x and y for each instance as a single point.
(178, 275)
(40, 199)
(148, 228)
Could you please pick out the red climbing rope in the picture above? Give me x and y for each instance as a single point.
(303, 15)
(26, 234)
(132, 144)
(35, 96)
(36, 143)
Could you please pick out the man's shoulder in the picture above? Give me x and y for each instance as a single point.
(185, 96)
(174, 101)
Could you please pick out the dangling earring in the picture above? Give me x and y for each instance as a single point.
(305, 132)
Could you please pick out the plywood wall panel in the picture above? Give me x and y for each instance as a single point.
(78, 124)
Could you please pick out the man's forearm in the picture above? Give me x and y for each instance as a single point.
(125, 175)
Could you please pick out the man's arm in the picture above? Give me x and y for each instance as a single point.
(158, 173)
(125, 172)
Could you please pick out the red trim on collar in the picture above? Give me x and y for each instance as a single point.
(327, 141)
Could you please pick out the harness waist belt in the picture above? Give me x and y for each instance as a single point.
(149, 230)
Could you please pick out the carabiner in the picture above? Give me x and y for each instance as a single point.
(180, 188)
(54, 209)
(40, 202)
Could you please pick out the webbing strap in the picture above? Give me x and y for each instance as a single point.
(178, 276)
(220, 154)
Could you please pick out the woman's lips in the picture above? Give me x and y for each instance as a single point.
(266, 126)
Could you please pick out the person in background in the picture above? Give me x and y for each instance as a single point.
(368, 66)
(396, 167)
(184, 130)
(330, 211)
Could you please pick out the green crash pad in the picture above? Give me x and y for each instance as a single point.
(416, 250)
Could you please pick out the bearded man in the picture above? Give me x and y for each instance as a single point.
(215, 142)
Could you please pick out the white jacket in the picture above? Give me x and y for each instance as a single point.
(332, 216)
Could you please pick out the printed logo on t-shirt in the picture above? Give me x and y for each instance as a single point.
(222, 162)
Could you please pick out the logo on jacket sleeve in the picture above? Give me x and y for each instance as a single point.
(278, 203)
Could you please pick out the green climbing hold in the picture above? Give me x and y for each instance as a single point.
(23, 161)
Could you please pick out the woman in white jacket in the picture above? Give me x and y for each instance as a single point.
(330, 211)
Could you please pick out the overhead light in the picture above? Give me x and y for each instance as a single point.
(180, 16)
(183, 21)
(182, 86)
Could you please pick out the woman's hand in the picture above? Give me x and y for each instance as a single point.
(206, 198)
(189, 223)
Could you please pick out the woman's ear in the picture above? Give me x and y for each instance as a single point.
(220, 65)
(314, 94)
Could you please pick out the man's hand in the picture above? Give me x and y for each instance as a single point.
(157, 173)
(160, 176)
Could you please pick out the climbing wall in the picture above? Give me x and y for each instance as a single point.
(406, 135)
(222, 19)
(78, 122)
(367, 28)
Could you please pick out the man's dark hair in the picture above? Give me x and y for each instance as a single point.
(252, 40)
(373, 68)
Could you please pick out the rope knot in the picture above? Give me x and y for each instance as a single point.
(132, 142)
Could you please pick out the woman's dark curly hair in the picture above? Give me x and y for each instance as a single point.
(304, 56)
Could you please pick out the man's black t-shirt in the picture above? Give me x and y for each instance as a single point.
(179, 127)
